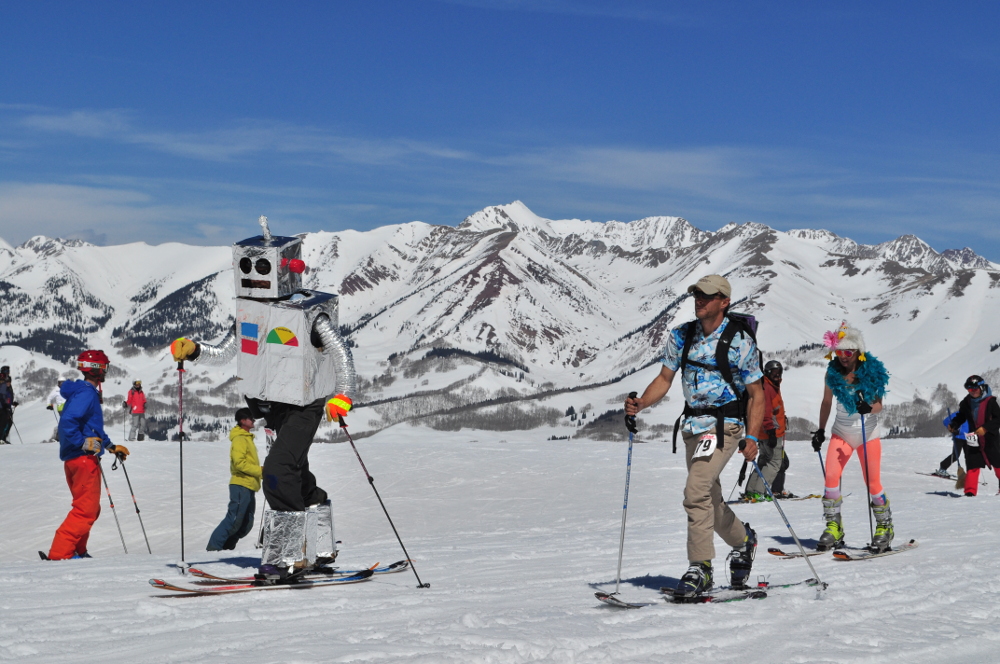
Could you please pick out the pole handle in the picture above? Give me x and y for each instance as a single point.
(630, 419)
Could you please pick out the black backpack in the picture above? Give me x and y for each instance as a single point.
(744, 324)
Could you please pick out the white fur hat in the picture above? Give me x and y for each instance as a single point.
(845, 338)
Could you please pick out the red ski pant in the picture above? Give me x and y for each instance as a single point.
(972, 479)
(83, 475)
(839, 453)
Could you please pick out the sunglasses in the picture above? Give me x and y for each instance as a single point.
(847, 353)
(973, 388)
(705, 297)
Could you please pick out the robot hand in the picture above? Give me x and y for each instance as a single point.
(184, 349)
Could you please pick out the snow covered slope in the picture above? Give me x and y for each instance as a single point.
(514, 535)
(508, 305)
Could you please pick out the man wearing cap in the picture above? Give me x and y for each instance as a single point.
(136, 404)
(712, 404)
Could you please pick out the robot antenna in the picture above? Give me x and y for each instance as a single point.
(264, 228)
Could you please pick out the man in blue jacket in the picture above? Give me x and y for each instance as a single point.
(82, 441)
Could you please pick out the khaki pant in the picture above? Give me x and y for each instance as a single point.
(707, 511)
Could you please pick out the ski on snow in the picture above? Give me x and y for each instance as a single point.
(865, 554)
(300, 584)
(953, 478)
(326, 573)
(716, 595)
(847, 553)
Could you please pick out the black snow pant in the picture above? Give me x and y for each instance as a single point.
(6, 419)
(288, 484)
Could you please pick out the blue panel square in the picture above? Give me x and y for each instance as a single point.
(248, 330)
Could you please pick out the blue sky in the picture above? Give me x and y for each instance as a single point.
(185, 121)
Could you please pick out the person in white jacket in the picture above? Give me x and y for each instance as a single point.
(55, 402)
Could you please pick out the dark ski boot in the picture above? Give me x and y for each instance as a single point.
(741, 559)
(696, 580)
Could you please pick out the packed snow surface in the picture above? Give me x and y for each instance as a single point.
(514, 534)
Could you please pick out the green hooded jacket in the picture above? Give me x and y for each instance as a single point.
(243, 462)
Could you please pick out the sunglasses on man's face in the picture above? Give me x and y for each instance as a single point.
(705, 297)
(973, 388)
(847, 353)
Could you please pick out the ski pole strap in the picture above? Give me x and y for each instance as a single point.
(743, 473)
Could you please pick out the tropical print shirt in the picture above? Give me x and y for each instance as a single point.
(708, 389)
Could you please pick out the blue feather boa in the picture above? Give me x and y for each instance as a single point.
(872, 379)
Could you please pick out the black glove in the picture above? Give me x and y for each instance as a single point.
(862, 406)
(819, 435)
(49, 407)
(125, 404)
(15, 404)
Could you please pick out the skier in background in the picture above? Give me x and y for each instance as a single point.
(982, 444)
(136, 404)
(7, 405)
(711, 405)
(82, 441)
(243, 485)
(957, 443)
(55, 402)
(772, 447)
(858, 381)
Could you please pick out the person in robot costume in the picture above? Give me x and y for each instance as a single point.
(290, 361)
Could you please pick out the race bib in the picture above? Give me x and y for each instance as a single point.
(972, 439)
(705, 446)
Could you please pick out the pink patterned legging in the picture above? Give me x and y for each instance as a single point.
(840, 453)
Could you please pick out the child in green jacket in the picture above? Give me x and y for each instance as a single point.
(243, 486)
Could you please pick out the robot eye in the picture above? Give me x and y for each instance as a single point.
(246, 265)
(263, 266)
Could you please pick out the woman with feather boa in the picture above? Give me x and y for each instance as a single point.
(858, 380)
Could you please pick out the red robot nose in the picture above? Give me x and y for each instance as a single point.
(295, 265)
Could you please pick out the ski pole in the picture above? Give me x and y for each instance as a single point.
(738, 482)
(821, 585)
(822, 464)
(15, 427)
(371, 481)
(180, 437)
(112, 502)
(868, 486)
(121, 460)
(260, 531)
(630, 425)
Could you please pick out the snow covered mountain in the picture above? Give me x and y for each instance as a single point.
(509, 306)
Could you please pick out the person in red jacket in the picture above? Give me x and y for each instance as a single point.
(136, 404)
(772, 447)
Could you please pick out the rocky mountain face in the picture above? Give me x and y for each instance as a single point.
(507, 306)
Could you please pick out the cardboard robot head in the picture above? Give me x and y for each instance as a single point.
(267, 266)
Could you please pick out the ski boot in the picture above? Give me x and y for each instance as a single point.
(833, 536)
(696, 580)
(272, 575)
(883, 531)
(741, 559)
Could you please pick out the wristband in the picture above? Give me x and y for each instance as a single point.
(753, 438)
